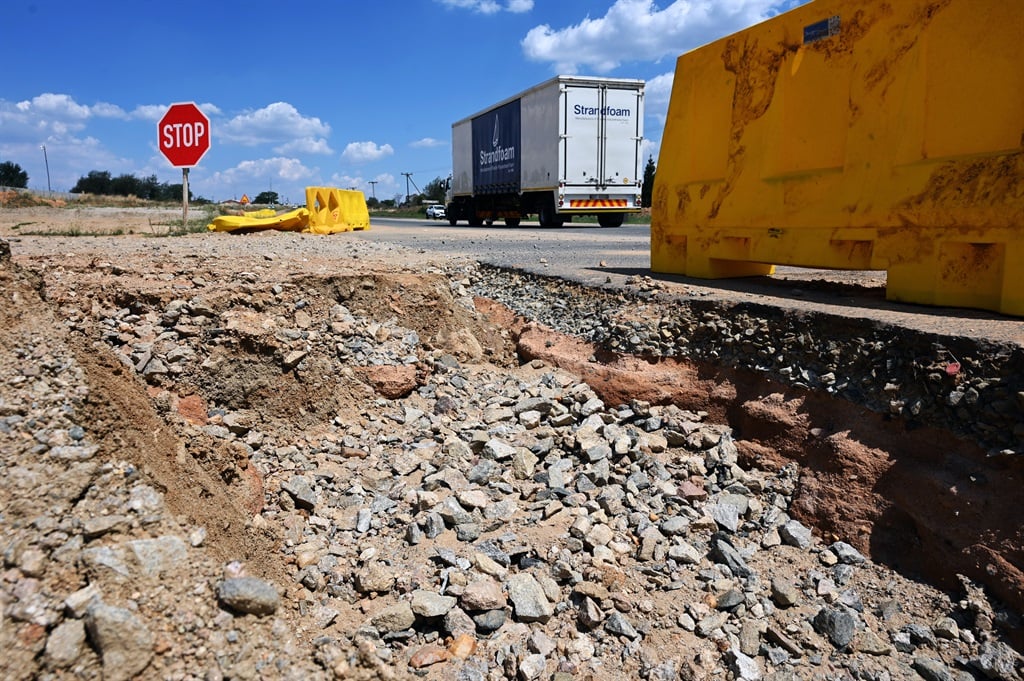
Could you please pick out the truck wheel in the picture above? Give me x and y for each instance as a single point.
(475, 221)
(452, 221)
(610, 219)
(549, 218)
(512, 222)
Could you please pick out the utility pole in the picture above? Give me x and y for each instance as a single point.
(408, 176)
(47, 162)
(373, 188)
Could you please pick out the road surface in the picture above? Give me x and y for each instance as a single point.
(598, 256)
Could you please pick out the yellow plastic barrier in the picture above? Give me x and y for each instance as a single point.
(336, 210)
(327, 211)
(294, 221)
(261, 213)
(853, 134)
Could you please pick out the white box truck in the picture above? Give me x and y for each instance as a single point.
(569, 146)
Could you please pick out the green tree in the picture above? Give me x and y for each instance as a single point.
(100, 183)
(172, 192)
(435, 190)
(647, 191)
(11, 175)
(96, 182)
(268, 198)
(125, 185)
(149, 188)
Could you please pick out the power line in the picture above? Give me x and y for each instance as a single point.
(408, 179)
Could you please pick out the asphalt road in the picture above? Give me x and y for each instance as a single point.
(588, 254)
(599, 256)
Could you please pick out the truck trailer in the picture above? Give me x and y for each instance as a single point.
(569, 146)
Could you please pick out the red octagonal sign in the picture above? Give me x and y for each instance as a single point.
(184, 134)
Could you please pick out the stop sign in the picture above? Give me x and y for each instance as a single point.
(184, 134)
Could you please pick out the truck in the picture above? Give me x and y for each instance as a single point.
(566, 147)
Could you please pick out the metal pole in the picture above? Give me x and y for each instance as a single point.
(184, 199)
(373, 188)
(47, 162)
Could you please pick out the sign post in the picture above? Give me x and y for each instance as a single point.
(183, 135)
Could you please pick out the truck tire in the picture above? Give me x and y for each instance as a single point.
(475, 220)
(610, 219)
(549, 218)
(512, 222)
(452, 220)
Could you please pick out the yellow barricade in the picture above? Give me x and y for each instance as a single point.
(336, 210)
(853, 134)
(293, 221)
(327, 211)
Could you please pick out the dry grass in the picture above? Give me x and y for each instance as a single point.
(12, 199)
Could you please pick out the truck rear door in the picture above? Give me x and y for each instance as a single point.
(601, 144)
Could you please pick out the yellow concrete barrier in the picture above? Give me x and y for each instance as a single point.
(336, 210)
(853, 134)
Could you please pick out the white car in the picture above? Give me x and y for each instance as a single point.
(435, 211)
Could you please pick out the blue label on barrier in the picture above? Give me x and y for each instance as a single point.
(826, 28)
(496, 162)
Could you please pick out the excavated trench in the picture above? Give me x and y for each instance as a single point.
(919, 499)
(925, 501)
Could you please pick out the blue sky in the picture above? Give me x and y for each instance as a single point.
(332, 93)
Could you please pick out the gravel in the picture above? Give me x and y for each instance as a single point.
(459, 519)
(952, 382)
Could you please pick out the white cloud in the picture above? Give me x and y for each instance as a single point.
(105, 110)
(657, 93)
(290, 169)
(14, 119)
(490, 6)
(638, 30)
(55, 105)
(347, 182)
(50, 116)
(62, 108)
(154, 112)
(649, 148)
(383, 185)
(149, 112)
(279, 122)
(210, 109)
(286, 176)
(361, 152)
(306, 145)
(659, 88)
(427, 143)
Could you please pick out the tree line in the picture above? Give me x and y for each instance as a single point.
(102, 183)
